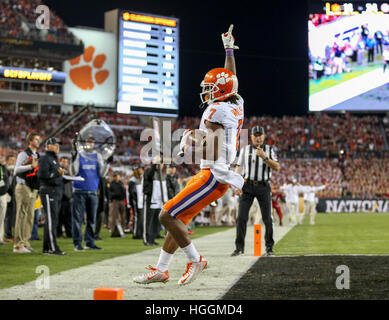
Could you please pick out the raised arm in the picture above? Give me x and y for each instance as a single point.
(228, 42)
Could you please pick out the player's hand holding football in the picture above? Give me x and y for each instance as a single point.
(228, 39)
(237, 192)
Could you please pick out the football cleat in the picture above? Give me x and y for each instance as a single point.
(192, 270)
(154, 275)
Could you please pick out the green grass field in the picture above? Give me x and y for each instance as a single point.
(327, 82)
(17, 269)
(345, 233)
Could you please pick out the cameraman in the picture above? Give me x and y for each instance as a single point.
(91, 166)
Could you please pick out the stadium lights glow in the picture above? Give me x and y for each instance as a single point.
(137, 35)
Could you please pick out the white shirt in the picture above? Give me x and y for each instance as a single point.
(156, 198)
(230, 116)
(309, 194)
(292, 192)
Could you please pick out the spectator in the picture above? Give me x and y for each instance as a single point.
(65, 211)
(135, 200)
(370, 44)
(26, 193)
(117, 212)
(101, 207)
(171, 181)
(11, 206)
(154, 188)
(50, 190)
(4, 186)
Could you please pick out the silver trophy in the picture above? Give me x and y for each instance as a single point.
(96, 136)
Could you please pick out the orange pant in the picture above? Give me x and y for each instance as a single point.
(199, 192)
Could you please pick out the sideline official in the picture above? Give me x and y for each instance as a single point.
(257, 160)
(51, 190)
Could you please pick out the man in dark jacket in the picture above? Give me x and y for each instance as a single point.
(65, 212)
(11, 207)
(50, 190)
(4, 185)
(154, 188)
(117, 210)
(171, 181)
(101, 214)
(135, 195)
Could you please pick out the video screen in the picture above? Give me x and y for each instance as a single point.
(148, 64)
(348, 61)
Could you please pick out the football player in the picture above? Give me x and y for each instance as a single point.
(220, 126)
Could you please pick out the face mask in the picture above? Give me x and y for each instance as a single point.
(10, 167)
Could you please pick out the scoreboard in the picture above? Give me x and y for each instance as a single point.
(148, 64)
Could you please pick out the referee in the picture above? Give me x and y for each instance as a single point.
(257, 160)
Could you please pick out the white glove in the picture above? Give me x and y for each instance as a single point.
(184, 141)
(228, 39)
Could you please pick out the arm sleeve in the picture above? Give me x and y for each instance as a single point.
(273, 155)
(75, 166)
(19, 168)
(149, 173)
(240, 161)
(316, 189)
(103, 166)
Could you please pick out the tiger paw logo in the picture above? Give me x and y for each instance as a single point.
(85, 76)
(222, 78)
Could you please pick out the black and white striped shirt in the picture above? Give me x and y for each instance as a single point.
(253, 167)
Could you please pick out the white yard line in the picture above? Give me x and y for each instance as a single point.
(211, 284)
(347, 90)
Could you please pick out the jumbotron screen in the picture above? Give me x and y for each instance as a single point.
(148, 64)
(348, 56)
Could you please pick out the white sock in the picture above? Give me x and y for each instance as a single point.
(164, 260)
(191, 253)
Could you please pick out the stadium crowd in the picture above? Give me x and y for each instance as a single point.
(345, 175)
(332, 134)
(18, 20)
